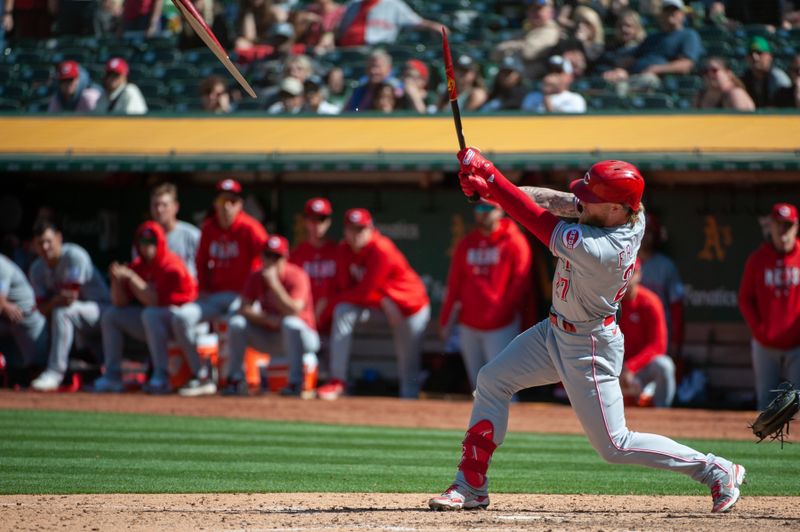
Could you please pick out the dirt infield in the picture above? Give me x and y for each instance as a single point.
(391, 512)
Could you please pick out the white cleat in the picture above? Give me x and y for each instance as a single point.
(725, 490)
(452, 499)
(49, 381)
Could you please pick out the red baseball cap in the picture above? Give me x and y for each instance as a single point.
(784, 212)
(229, 185)
(359, 217)
(117, 65)
(68, 70)
(420, 67)
(318, 207)
(277, 245)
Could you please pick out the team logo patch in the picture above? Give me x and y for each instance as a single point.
(468, 157)
(785, 211)
(572, 237)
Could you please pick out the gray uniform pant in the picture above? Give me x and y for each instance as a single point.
(588, 363)
(294, 339)
(479, 347)
(771, 367)
(81, 317)
(661, 371)
(407, 335)
(31, 337)
(187, 316)
(146, 324)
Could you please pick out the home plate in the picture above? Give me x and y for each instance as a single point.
(518, 517)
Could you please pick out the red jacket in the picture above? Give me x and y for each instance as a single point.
(320, 265)
(166, 273)
(225, 257)
(377, 271)
(644, 325)
(769, 296)
(490, 276)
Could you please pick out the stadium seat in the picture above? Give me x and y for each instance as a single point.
(158, 104)
(36, 73)
(607, 102)
(249, 105)
(652, 101)
(160, 56)
(153, 89)
(81, 55)
(7, 104)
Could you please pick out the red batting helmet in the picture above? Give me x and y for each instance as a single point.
(610, 182)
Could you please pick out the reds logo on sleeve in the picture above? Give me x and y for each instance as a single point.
(572, 237)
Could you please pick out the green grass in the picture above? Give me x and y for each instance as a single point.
(79, 452)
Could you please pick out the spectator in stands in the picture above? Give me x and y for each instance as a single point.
(183, 238)
(315, 25)
(572, 51)
(628, 34)
(277, 316)
(509, 87)
(723, 90)
(588, 30)
(386, 98)
(120, 97)
(317, 254)
(542, 33)
(213, 12)
(336, 85)
(230, 249)
(20, 319)
(661, 276)
(763, 79)
(769, 299)
(254, 22)
(472, 93)
(374, 276)
(76, 17)
(487, 283)
(790, 96)
(142, 16)
(378, 71)
(315, 98)
(415, 79)
(75, 91)
(673, 50)
(70, 293)
(290, 98)
(644, 325)
(28, 19)
(298, 67)
(144, 295)
(370, 22)
(108, 17)
(215, 95)
(555, 96)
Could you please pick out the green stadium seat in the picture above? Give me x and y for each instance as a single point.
(607, 102)
(14, 91)
(81, 55)
(8, 71)
(652, 101)
(37, 73)
(153, 89)
(10, 105)
(160, 56)
(38, 106)
(188, 105)
(158, 104)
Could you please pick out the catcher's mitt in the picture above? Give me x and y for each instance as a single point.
(773, 422)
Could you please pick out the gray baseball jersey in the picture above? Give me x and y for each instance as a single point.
(15, 286)
(74, 269)
(594, 267)
(183, 241)
(581, 346)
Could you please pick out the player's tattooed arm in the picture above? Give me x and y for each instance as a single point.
(559, 203)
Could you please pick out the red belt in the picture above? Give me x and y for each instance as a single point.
(567, 326)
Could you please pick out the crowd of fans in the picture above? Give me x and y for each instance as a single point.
(382, 55)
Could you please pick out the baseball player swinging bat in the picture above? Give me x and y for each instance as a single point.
(453, 95)
(199, 25)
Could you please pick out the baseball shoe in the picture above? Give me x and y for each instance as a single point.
(725, 490)
(197, 387)
(236, 387)
(106, 384)
(331, 391)
(296, 390)
(48, 381)
(157, 386)
(453, 499)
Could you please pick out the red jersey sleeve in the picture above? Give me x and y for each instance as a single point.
(455, 280)
(377, 269)
(747, 297)
(522, 208)
(252, 287)
(654, 334)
